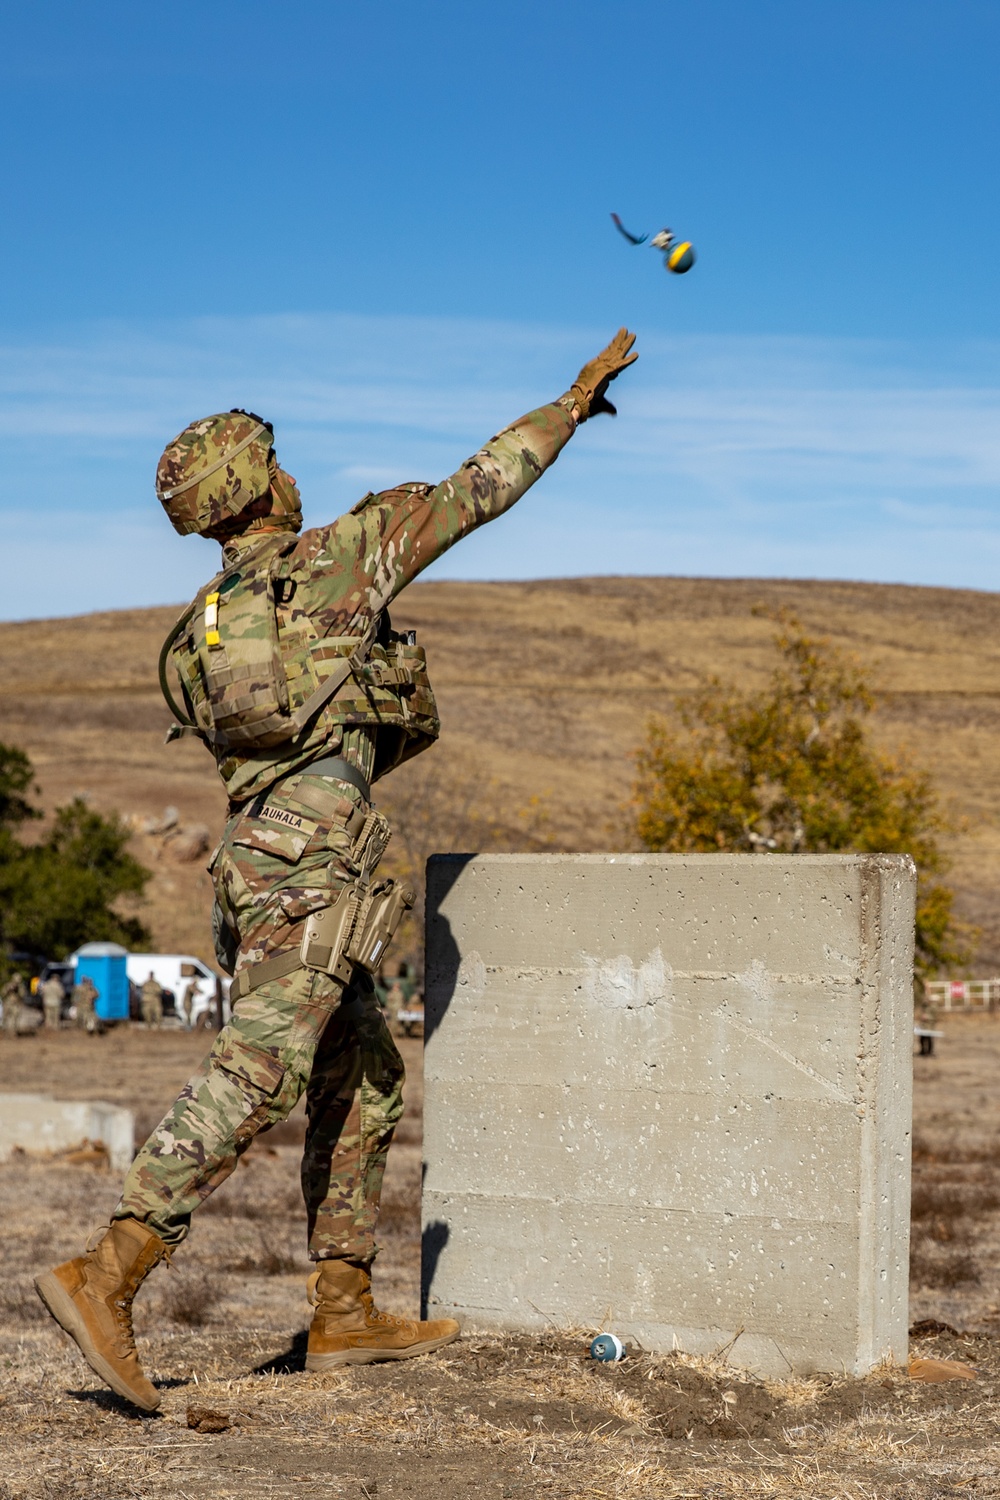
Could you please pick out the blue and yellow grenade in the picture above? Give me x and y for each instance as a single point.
(678, 255)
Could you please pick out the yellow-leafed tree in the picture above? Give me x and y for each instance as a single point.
(791, 769)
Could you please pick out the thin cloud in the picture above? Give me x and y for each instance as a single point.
(731, 456)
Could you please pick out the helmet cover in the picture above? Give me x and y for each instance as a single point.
(214, 470)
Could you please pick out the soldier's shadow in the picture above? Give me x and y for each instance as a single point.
(109, 1402)
(444, 958)
(291, 1362)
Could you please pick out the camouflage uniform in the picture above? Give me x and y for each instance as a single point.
(14, 994)
(84, 997)
(290, 845)
(191, 991)
(292, 1034)
(53, 996)
(925, 1018)
(303, 717)
(151, 1002)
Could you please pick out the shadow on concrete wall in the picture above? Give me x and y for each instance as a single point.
(442, 960)
(441, 955)
(432, 1242)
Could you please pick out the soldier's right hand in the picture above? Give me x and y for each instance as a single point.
(590, 386)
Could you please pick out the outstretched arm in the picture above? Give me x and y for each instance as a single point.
(412, 530)
(394, 536)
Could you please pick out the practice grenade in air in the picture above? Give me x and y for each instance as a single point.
(680, 257)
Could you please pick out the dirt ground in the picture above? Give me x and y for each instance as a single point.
(224, 1330)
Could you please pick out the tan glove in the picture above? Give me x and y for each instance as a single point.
(590, 386)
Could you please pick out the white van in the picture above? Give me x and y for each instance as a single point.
(174, 971)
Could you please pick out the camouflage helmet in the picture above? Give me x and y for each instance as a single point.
(214, 470)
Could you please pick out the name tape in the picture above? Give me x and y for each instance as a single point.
(289, 819)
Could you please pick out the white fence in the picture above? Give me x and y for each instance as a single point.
(964, 994)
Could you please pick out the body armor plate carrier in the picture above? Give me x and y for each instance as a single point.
(249, 682)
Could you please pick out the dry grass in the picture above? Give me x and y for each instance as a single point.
(504, 1417)
(494, 1416)
(190, 1299)
(544, 689)
(956, 1268)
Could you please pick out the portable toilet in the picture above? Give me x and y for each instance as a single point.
(104, 963)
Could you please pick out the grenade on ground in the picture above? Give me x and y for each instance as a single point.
(607, 1347)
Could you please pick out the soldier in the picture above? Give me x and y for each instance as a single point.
(151, 1002)
(191, 993)
(925, 1016)
(84, 998)
(13, 995)
(53, 996)
(291, 673)
(393, 995)
(398, 991)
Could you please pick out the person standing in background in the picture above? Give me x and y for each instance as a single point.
(84, 999)
(13, 995)
(53, 996)
(151, 999)
(191, 992)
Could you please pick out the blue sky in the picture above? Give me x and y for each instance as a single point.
(387, 227)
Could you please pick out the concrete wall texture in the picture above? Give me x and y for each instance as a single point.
(670, 1095)
(37, 1124)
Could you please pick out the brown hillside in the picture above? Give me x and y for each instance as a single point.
(544, 689)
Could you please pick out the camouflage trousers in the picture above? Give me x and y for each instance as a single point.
(152, 1011)
(280, 859)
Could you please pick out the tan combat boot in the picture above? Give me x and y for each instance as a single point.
(348, 1329)
(91, 1298)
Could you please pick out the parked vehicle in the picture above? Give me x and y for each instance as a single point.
(173, 971)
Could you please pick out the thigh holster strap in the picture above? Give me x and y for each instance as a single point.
(355, 930)
(254, 975)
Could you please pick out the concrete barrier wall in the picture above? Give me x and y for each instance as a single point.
(670, 1095)
(37, 1124)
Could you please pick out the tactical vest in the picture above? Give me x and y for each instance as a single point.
(251, 684)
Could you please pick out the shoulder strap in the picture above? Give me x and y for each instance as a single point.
(278, 566)
(178, 713)
(329, 686)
